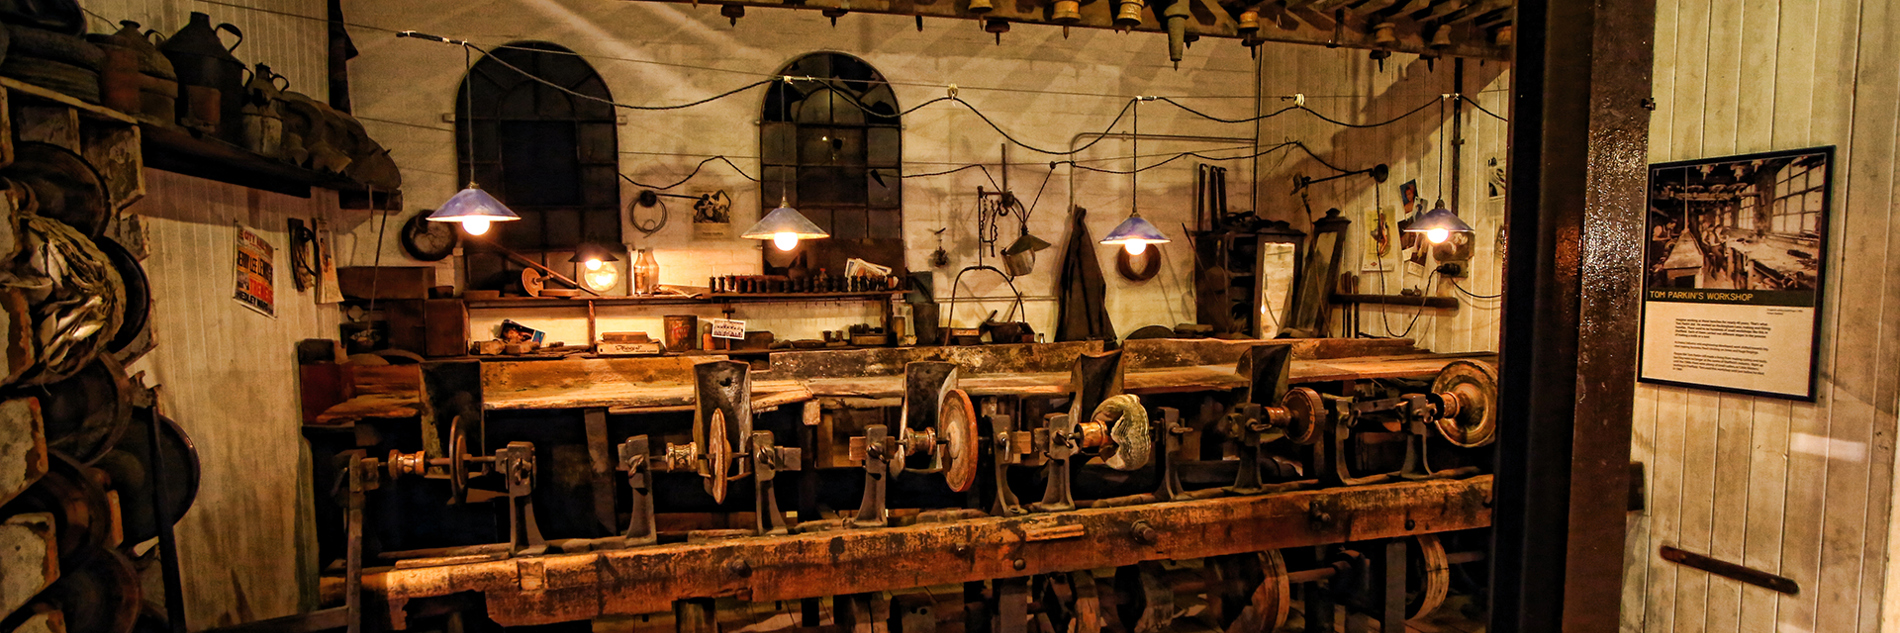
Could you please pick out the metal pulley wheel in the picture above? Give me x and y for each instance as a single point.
(101, 596)
(957, 417)
(85, 415)
(130, 465)
(1427, 576)
(1249, 593)
(82, 517)
(1305, 409)
(1132, 442)
(1475, 423)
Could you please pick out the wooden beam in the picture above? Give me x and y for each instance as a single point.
(1209, 19)
(569, 587)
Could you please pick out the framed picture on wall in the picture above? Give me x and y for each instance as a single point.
(1735, 256)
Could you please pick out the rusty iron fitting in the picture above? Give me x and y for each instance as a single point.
(681, 457)
(1128, 14)
(401, 463)
(1066, 12)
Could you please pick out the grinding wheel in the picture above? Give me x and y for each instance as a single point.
(1476, 422)
(957, 417)
(532, 281)
(718, 452)
(1305, 408)
(1133, 444)
(458, 463)
(1427, 576)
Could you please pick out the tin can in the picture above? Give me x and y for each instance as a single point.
(682, 332)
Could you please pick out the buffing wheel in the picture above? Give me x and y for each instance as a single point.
(1476, 421)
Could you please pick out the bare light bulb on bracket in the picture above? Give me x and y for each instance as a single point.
(1438, 236)
(785, 241)
(475, 226)
(1135, 247)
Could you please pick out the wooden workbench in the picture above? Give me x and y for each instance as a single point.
(653, 385)
(567, 587)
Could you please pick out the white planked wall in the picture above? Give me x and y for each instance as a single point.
(1044, 89)
(1349, 86)
(1799, 489)
(228, 374)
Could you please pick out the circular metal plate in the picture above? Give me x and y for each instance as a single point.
(1428, 576)
(129, 464)
(86, 414)
(958, 419)
(1477, 421)
(458, 463)
(138, 294)
(81, 514)
(718, 457)
(1305, 409)
(65, 186)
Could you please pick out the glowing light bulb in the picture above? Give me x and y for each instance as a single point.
(785, 241)
(593, 264)
(1438, 236)
(1135, 247)
(475, 226)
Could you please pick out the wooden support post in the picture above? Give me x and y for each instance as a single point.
(600, 456)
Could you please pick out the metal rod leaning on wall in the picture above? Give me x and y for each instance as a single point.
(519, 259)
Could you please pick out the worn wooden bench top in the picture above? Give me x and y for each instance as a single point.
(646, 385)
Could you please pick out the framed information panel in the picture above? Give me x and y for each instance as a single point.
(1735, 255)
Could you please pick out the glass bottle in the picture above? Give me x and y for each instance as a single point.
(646, 273)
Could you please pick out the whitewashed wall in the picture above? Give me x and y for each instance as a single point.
(1350, 86)
(228, 375)
(1802, 490)
(1042, 88)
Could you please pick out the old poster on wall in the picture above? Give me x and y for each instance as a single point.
(1735, 256)
(255, 267)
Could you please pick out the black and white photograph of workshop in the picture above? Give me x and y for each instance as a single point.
(1735, 253)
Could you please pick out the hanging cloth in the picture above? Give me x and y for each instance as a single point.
(1082, 295)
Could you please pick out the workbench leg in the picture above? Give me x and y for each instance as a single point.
(1392, 611)
(1319, 608)
(695, 615)
(600, 455)
(862, 613)
(975, 619)
(1012, 605)
(809, 612)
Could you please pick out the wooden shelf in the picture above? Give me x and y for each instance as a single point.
(713, 299)
(181, 151)
(88, 110)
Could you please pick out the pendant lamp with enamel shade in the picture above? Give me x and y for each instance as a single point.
(785, 226)
(1438, 224)
(1135, 233)
(471, 207)
(474, 209)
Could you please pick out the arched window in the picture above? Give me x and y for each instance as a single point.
(832, 146)
(550, 156)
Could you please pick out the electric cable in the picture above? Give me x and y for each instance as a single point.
(689, 176)
(1474, 104)
(1468, 293)
(1362, 126)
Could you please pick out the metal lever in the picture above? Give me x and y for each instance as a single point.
(877, 450)
(767, 461)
